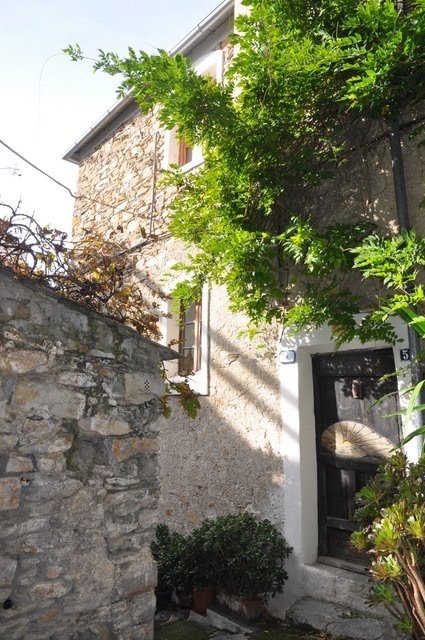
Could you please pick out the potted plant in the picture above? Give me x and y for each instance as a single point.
(240, 555)
(248, 557)
(201, 568)
(168, 549)
(183, 567)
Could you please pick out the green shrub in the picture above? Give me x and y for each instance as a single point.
(170, 552)
(240, 554)
(249, 555)
(200, 563)
(392, 518)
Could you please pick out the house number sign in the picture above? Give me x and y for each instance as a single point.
(404, 354)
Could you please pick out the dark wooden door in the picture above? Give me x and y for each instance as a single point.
(352, 437)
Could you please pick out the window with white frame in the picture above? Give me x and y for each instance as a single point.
(190, 333)
(187, 333)
(176, 150)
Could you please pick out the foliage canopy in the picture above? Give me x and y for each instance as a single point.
(311, 80)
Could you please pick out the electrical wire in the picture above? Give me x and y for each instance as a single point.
(64, 186)
(149, 238)
(34, 166)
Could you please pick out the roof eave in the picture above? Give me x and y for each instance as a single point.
(109, 122)
(126, 108)
(208, 25)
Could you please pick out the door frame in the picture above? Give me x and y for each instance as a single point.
(298, 443)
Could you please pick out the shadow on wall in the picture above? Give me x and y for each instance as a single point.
(228, 459)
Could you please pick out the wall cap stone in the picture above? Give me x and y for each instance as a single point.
(164, 352)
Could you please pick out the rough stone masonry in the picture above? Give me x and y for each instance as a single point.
(78, 470)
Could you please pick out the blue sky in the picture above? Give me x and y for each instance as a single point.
(47, 102)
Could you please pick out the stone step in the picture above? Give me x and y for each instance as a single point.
(224, 620)
(337, 620)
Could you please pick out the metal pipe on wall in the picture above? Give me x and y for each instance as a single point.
(402, 207)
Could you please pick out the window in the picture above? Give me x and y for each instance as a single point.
(185, 153)
(177, 151)
(187, 333)
(190, 340)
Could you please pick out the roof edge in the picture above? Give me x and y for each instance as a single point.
(126, 108)
(208, 25)
(109, 122)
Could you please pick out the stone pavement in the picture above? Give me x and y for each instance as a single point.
(175, 626)
(339, 621)
(190, 630)
(324, 619)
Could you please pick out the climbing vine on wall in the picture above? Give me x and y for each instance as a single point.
(312, 80)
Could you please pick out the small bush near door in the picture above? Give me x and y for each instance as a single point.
(249, 555)
(238, 554)
(392, 518)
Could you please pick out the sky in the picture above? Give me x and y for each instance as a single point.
(47, 102)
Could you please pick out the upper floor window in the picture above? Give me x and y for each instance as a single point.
(185, 153)
(176, 150)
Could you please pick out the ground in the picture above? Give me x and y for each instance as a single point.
(175, 628)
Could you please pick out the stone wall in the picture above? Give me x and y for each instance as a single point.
(78, 470)
(115, 185)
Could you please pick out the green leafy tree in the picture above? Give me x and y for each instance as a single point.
(398, 262)
(309, 76)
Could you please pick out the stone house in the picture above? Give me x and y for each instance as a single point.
(278, 434)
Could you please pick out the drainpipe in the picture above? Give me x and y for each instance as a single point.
(153, 191)
(404, 223)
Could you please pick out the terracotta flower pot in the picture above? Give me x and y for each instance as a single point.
(249, 609)
(203, 599)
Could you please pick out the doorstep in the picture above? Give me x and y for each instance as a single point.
(224, 620)
(338, 620)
